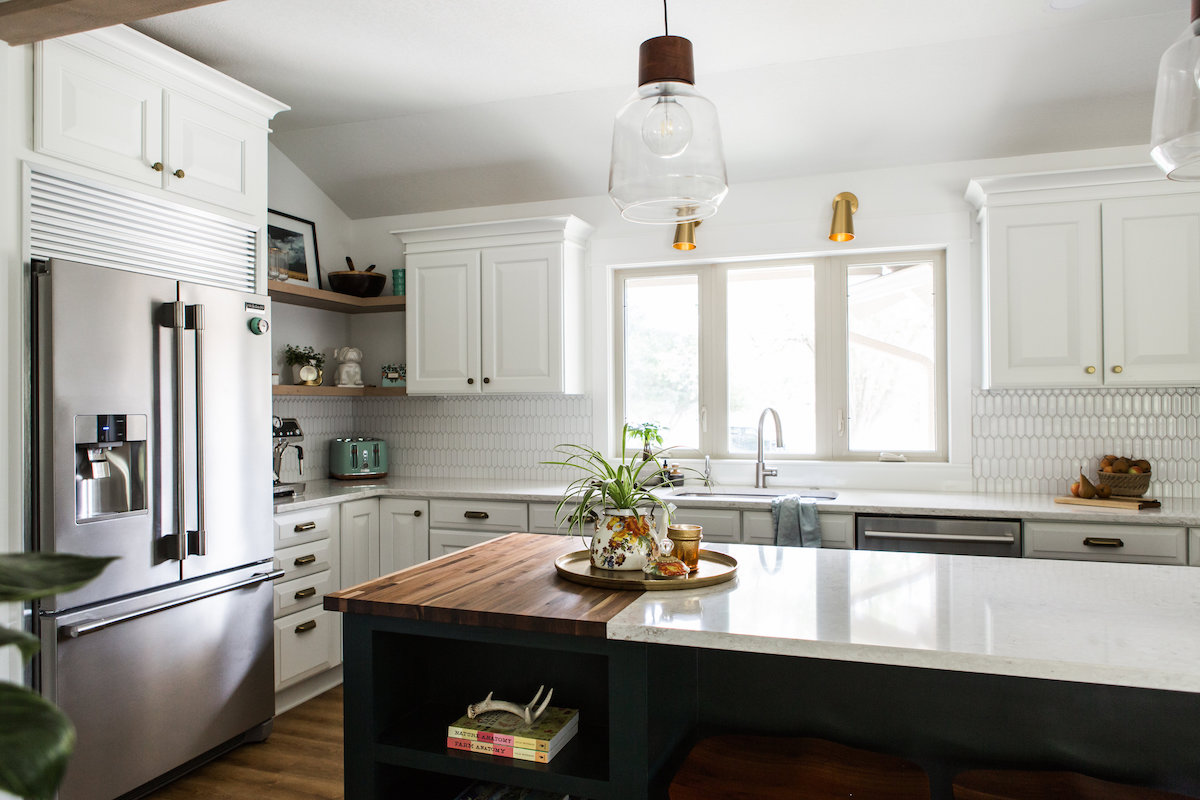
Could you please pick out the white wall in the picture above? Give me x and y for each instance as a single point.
(292, 192)
(906, 207)
(12, 102)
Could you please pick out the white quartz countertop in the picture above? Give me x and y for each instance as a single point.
(848, 501)
(1117, 624)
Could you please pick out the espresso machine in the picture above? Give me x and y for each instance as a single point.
(285, 433)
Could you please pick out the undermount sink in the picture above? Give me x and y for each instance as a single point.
(812, 494)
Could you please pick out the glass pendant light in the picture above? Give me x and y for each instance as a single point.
(667, 166)
(1175, 131)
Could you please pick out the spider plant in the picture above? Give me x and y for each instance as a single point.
(623, 484)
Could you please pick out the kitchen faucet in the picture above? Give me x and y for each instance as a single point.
(761, 473)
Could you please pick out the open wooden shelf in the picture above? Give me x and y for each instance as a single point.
(299, 295)
(338, 391)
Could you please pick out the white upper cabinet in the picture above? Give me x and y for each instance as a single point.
(1103, 291)
(442, 320)
(496, 307)
(124, 105)
(1043, 286)
(1152, 290)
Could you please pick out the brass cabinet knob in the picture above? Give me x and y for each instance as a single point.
(179, 173)
(470, 380)
(417, 513)
(1090, 370)
(1118, 369)
(487, 380)
(157, 166)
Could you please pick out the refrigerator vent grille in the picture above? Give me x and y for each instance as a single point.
(76, 221)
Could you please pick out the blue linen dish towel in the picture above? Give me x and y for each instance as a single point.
(795, 521)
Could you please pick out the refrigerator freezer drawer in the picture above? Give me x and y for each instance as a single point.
(291, 596)
(175, 683)
(306, 643)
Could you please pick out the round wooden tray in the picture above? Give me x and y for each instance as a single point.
(577, 567)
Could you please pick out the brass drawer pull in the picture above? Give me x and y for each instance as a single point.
(303, 593)
(305, 627)
(305, 526)
(475, 514)
(302, 560)
(1095, 541)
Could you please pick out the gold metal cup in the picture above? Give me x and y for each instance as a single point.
(685, 540)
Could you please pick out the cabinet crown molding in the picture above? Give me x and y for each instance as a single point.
(567, 228)
(1076, 184)
(119, 43)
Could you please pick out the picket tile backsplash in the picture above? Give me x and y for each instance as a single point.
(1036, 440)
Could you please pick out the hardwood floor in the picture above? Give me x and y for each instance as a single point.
(302, 760)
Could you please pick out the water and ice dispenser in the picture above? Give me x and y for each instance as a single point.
(110, 465)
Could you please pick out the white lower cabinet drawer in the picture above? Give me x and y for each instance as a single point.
(1194, 546)
(720, 524)
(295, 527)
(304, 559)
(479, 515)
(302, 592)
(443, 542)
(837, 530)
(306, 643)
(1146, 544)
(542, 518)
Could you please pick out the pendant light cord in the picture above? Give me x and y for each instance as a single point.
(666, 29)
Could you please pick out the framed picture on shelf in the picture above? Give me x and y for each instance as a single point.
(293, 241)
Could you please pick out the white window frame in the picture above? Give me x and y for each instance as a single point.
(831, 358)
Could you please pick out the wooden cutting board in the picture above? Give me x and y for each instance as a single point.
(1127, 503)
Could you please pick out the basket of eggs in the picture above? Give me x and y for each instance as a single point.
(1128, 477)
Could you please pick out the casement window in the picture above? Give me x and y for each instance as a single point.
(850, 350)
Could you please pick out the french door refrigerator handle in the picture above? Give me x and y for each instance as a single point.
(91, 626)
(178, 313)
(197, 540)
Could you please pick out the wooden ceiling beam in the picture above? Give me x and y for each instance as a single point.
(25, 21)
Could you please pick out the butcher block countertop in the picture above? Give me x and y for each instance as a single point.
(508, 583)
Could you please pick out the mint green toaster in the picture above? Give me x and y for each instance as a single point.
(358, 458)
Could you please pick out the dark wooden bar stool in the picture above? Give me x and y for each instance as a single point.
(1005, 784)
(770, 767)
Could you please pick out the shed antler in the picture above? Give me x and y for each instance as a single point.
(527, 712)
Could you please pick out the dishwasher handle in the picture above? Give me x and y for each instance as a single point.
(91, 626)
(981, 538)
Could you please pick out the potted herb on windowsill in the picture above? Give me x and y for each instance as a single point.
(649, 432)
(36, 738)
(614, 499)
(308, 365)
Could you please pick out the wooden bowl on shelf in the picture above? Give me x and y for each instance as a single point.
(357, 282)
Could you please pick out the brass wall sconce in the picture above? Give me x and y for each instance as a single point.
(685, 235)
(844, 207)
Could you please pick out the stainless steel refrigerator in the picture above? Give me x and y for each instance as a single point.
(152, 406)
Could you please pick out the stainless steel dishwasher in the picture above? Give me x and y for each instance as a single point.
(952, 535)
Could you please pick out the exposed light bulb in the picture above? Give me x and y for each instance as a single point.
(667, 128)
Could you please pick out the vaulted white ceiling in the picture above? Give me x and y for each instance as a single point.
(418, 105)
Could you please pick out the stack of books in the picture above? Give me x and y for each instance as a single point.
(503, 734)
(498, 791)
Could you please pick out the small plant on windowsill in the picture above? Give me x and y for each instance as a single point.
(649, 432)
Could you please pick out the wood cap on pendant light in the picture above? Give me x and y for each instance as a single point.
(669, 58)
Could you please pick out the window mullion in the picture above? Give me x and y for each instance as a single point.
(718, 426)
(831, 358)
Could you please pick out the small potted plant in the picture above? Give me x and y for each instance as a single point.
(649, 432)
(300, 357)
(615, 498)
